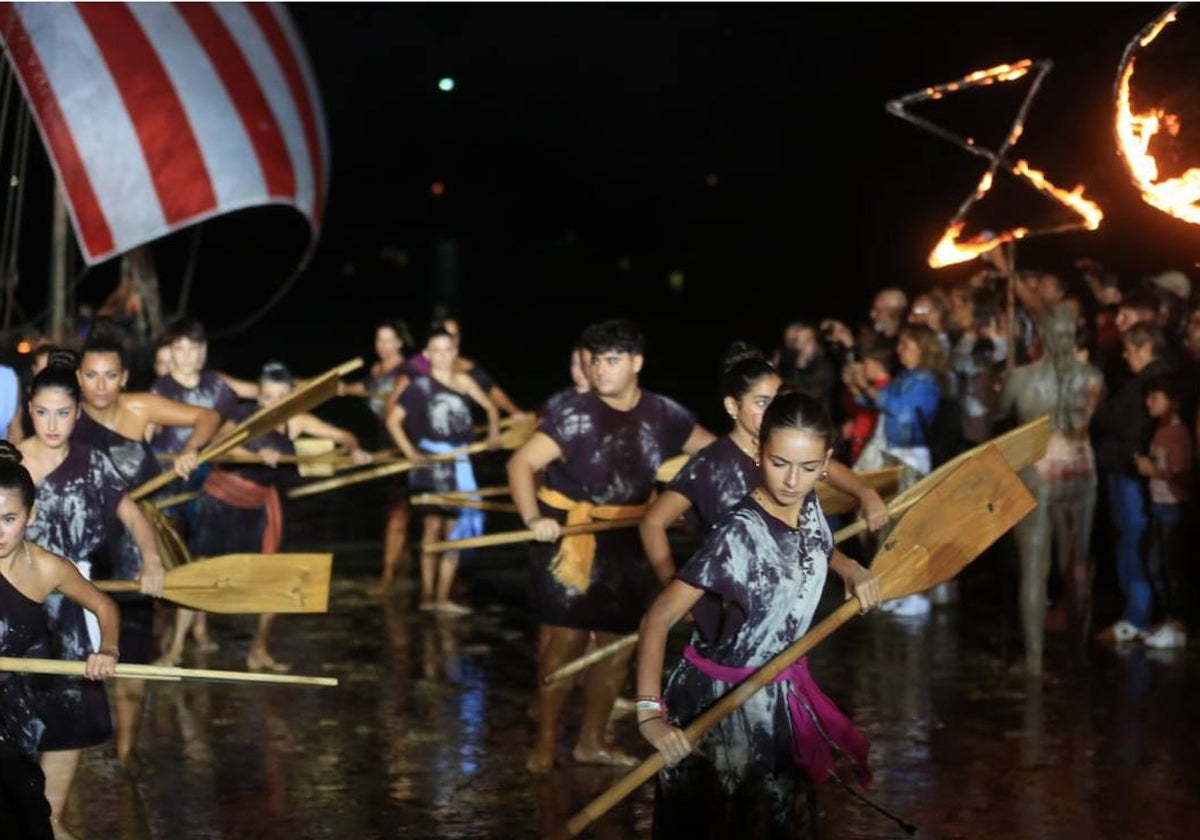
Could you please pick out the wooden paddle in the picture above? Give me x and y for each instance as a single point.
(1021, 447)
(172, 550)
(838, 500)
(670, 467)
(438, 500)
(314, 392)
(883, 481)
(71, 668)
(177, 499)
(245, 583)
(951, 525)
(511, 438)
(314, 457)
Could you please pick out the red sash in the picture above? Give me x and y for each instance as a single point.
(245, 494)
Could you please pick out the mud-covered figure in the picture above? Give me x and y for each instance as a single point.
(1063, 482)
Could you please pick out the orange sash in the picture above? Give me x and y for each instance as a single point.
(572, 565)
(245, 494)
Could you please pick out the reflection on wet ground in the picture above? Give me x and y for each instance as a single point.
(427, 733)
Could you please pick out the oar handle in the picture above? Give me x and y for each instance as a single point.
(72, 668)
(718, 712)
(577, 665)
(380, 472)
(524, 535)
(117, 585)
(166, 477)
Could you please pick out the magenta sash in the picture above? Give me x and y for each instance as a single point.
(817, 724)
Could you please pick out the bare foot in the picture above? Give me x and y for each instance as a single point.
(383, 586)
(451, 608)
(540, 761)
(207, 645)
(170, 658)
(263, 661)
(605, 756)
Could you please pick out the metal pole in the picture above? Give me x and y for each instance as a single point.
(58, 271)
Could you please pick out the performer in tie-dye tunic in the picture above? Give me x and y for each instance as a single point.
(753, 588)
(599, 452)
(81, 496)
(433, 416)
(28, 574)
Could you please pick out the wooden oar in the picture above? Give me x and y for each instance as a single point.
(511, 438)
(172, 549)
(71, 668)
(245, 583)
(177, 499)
(1021, 447)
(314, 392)
(882, 478)
(438, 500)
(670, 467)
(952, 524)
(883, 481)
(482, 492)
(525, 535)
(505, 422)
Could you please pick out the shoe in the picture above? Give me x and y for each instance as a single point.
(909, 605)
(1121, 633)
(1166, 636)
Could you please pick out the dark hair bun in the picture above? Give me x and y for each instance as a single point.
(739, 351)
(64, 359)
(10, 453)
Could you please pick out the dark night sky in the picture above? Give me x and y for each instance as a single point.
(581, 135)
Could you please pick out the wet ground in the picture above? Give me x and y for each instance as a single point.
(426, 734)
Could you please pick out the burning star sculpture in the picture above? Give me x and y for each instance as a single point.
(1137, 131)
(952, 248)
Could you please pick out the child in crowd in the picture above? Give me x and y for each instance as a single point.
(1168, 468)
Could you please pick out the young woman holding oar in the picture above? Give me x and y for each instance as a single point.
(188, 382)
(28, 576)
(753, 588)
(239, 510)
(433, 415)
(81, 494)
(115, 423)
(722, 473)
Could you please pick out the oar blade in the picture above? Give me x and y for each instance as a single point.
(253, 583)
(668, 468)
(883, 481)
(172, 550)
(955, 522)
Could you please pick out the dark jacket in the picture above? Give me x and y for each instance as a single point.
(1121, 427)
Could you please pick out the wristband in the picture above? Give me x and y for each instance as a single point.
(115, 653)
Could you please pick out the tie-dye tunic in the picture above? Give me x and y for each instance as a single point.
(437, 413)
(119, 558)
(762, 582)
(76, 514)
(609, 458)
(714, 480)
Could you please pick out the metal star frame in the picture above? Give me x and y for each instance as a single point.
(951, 249)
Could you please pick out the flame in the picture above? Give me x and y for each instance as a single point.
(1177, 196)
(1089, 210)
(950, 251)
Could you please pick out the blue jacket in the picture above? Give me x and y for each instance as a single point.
(910, 392)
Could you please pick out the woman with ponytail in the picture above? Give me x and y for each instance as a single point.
(720, 475)
(81, 494)
(29, 574)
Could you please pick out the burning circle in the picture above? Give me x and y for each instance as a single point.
(1152, 135)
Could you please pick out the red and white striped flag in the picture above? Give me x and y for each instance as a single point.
(160, 115)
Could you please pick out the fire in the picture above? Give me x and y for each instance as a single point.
(950, 250)
(1179, 196)
(1089, 210)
